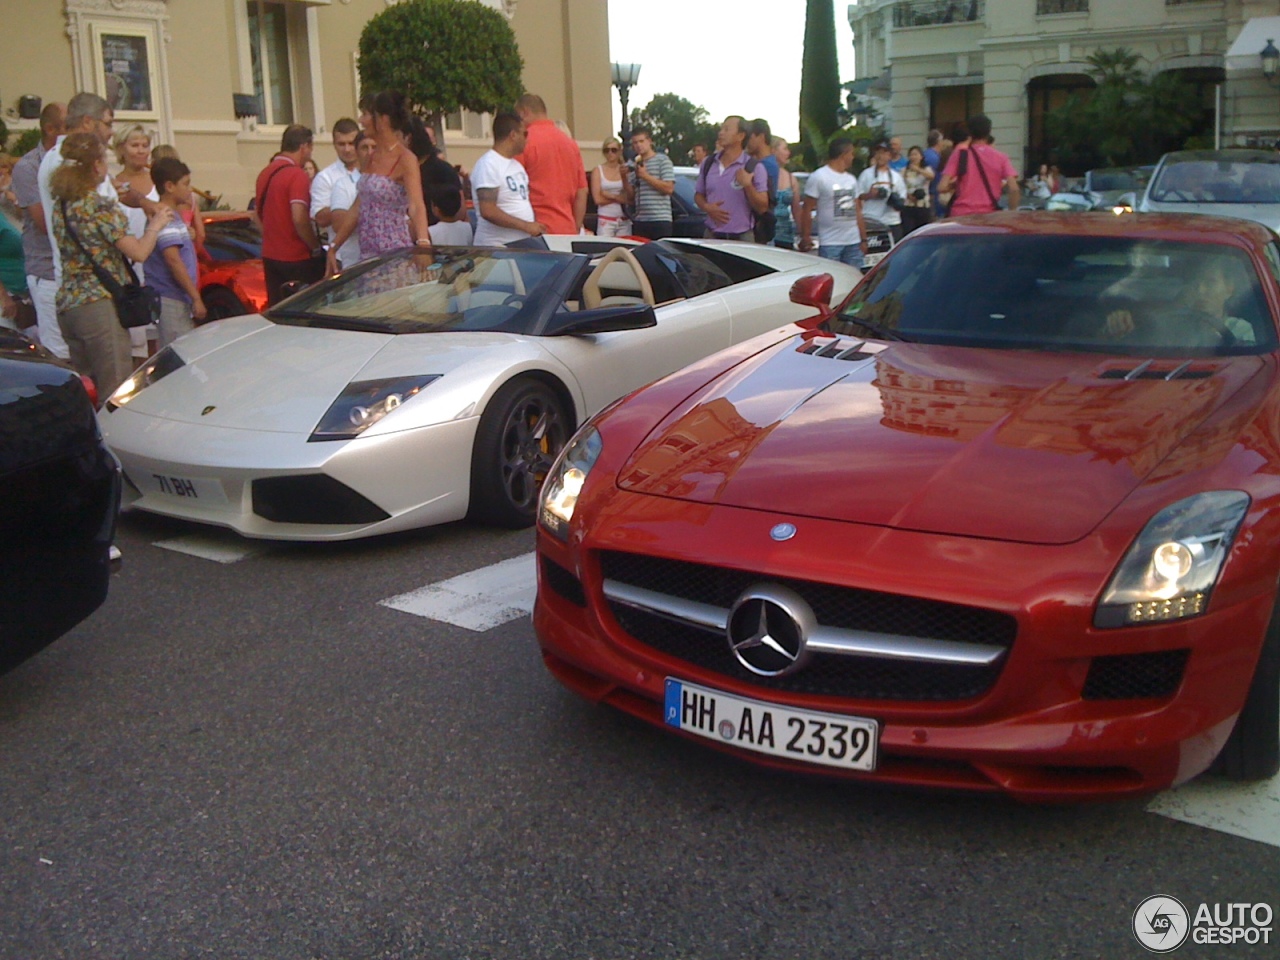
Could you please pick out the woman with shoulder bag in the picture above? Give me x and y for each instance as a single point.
(918, 176)
(90, 231)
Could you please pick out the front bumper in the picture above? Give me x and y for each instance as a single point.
(1031, 732)
(398, 481)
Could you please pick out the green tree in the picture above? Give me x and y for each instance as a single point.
(677, 125)
(25, 141)
(819, 79)
(443, 55)
(1126, 120)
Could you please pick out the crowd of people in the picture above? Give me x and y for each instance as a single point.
(74, 228)
(98, 210)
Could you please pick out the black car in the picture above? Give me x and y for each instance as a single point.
(59, 495)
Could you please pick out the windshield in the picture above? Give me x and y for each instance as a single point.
(1119, 295)
(1218, 181)
(1108, 180)
(233, 240)
(444, 290)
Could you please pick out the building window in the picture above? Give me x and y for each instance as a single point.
(271, 57)
(471, 126)
(1044, 95)
(949, 107)
(1044, 7)
(928, 13)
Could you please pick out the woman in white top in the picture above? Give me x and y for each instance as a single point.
(610, 189)
(133, 152)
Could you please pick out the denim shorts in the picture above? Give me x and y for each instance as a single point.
(850, 253)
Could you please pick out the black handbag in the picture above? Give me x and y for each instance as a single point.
(136, 305)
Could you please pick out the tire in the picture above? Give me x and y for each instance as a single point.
(1252, 752)
(521, 431)
(222, 303)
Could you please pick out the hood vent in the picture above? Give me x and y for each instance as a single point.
(837, 349)
(1163, 370)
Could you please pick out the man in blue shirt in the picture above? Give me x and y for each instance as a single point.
(933, 160)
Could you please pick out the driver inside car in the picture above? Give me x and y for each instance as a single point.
(1209, 289)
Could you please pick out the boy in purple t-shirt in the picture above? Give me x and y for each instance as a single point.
(171, 269)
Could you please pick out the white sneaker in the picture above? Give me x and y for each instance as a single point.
(113, 553)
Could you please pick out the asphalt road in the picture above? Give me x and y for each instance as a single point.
(257, 760)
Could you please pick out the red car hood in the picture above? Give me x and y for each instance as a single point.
(999, 444)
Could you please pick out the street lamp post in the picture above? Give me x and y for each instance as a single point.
(1270, 61)
(625, 76)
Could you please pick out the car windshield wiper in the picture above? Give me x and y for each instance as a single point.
(884, 333)
(362, 324)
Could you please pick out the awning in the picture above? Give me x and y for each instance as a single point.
(1244, 54)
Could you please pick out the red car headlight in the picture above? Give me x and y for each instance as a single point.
(566, 480)
(1173, 565)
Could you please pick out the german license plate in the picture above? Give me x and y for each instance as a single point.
(198, 489)
(829, 739)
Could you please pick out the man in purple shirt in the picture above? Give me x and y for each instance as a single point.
(726, 191)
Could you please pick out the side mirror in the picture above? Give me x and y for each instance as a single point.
(601, 320)
(814, 291)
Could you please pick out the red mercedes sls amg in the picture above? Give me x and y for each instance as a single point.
(1006, 519)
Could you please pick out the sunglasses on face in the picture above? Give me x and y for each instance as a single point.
(611, 149)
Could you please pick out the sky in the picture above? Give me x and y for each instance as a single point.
(752, 67)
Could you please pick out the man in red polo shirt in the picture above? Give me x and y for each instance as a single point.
(557, 180)
(290, 248)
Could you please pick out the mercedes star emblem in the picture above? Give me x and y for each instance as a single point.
(768, 630)
(783, 531)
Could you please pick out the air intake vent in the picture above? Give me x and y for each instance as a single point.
(1135, 676)
(837, 349)
(1151, 370)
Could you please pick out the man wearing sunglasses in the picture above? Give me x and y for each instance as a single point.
(655, 181)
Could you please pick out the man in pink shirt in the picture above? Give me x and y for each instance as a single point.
(978, 172)
(557, 180)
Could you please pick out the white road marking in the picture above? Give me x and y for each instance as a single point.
(1249, 810)
(218, 546)
(479, 600)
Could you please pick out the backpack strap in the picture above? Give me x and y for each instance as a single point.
(982, 175)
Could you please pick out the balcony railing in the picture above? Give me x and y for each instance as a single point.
(1044, 7)
(927, 13)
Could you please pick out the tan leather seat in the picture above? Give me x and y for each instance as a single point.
(618, 270)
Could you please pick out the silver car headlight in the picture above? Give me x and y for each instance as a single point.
(567, 477)
(1173, 565)
(158, 367)
(363, 403)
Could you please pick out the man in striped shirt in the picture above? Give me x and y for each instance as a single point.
(655, 181)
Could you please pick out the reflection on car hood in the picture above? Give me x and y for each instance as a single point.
(997, 444)
(249, 374)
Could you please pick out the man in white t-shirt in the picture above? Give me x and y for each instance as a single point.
(347, 167)
(876, 184)
(342, 198)
(832, 192)
(500, 188)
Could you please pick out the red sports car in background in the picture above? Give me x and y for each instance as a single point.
(1007, 519)
(231, 278)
